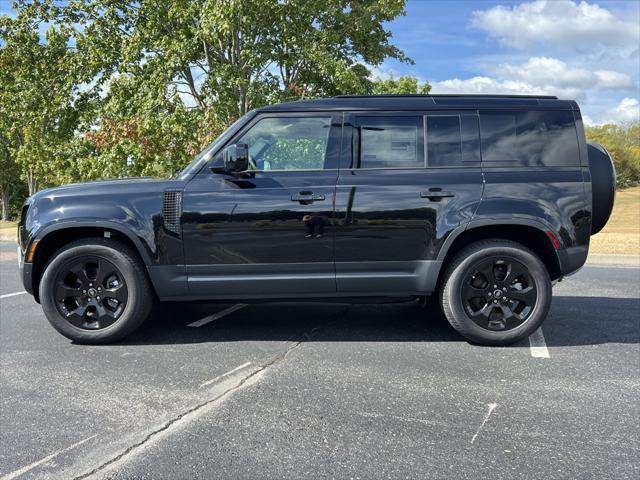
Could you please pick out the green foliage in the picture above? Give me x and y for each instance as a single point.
(118, 88)
(402, 85)
(623, 143)
(306, 153)
(41, 101)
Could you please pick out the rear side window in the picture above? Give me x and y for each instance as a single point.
(389, 141)
(452, 140)
(529, 138)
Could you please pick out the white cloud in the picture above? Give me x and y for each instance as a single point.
(569, 48)
(486, 85)
(539, 76)
(563, 24)
(551, 73)
(628, 110)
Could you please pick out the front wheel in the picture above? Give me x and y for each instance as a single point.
(496, 292)
(95, 291)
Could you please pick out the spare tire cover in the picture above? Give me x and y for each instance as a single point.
(603, 185)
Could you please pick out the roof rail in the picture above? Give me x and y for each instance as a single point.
(550, 97)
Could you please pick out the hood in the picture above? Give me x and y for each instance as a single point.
(101, 187)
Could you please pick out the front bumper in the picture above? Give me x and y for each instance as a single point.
(26, 272)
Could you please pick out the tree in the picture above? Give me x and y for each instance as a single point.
(170, 76)
(40, 96)
(402, 85)
(236, 54)
(137, 87)
(623, 143)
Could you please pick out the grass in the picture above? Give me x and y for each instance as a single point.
(621, 235)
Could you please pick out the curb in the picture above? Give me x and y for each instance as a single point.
(602, 259)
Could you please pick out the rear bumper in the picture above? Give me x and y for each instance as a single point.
(572, 259)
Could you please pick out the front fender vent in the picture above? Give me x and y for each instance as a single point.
(171, 211)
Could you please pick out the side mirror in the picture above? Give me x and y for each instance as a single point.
(236, 158)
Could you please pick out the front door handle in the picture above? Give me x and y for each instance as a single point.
(307, 197)
(436, 194)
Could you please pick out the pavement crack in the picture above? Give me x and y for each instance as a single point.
(492, 407)
(133, 449)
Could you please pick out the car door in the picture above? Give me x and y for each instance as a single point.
(266, 233)
(399, 196)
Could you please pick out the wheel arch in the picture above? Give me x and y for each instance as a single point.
(533, 236)
(50, 239)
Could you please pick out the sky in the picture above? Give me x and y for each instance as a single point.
(586, 51)
(582, 50)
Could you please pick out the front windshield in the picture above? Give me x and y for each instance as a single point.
(205, 155)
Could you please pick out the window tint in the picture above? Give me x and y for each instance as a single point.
(288, 143)
(390, 142)
(444, 141)
(452, 140)
(529, 138)
(498, 133)
(470, 139)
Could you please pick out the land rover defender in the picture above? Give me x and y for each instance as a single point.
(479, 202)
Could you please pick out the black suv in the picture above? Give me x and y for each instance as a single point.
(480, 201)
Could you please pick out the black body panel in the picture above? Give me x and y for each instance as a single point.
(391, 223)
(248, 235)
(344, 230)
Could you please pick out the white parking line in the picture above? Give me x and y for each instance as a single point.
(538, 345)
(25, 469)
(213, 380)
(217, 316)
(7, 295)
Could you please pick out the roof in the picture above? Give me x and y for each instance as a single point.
(422, 102)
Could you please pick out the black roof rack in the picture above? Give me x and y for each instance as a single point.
(422, 102)
(463, 95)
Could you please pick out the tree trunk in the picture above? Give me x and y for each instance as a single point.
(242, 101)
(5, 198)
(32, 182)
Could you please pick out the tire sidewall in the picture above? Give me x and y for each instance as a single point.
(129, 319)
(455, 304)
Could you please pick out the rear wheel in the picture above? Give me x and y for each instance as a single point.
(496, 292)
(95, 291)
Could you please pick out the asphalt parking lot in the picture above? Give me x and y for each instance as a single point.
(326, 391)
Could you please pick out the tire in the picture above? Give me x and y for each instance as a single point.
(481, 313)
(114, 271)
(603, 185)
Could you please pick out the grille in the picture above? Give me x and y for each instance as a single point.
(171, 211)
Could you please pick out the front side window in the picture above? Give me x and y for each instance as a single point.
(389, 141)
(288, 143)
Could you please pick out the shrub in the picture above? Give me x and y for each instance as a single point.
(623, 143)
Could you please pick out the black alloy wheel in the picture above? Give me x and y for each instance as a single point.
(91, 293)
(499, 293)
(96, 290)
(495, 292)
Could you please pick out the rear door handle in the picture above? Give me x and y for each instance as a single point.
(435, 195)
(307, 197)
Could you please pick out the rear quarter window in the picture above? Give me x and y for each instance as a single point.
(530, 138)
